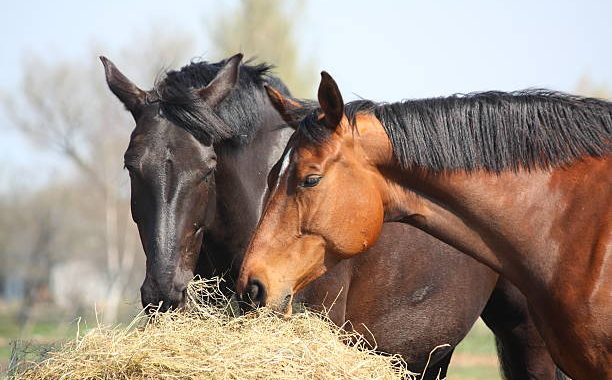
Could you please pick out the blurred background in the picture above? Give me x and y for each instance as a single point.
(68, 246)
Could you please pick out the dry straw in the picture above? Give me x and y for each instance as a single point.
(205, 341)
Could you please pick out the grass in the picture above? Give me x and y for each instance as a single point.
(41, 333)
(476, 356)
(48, 325)
(474, 372)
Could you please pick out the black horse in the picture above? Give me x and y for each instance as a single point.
(206, 138)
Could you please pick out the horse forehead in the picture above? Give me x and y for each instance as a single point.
(155, 160)
(316, 153)
(162, 139)
(307, 149)
(183, 145)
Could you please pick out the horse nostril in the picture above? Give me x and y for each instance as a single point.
(256, 292)
(177, 296)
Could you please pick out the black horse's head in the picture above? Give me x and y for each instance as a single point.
(171, 172)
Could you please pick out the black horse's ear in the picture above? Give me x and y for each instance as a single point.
(285, 106)
(330, 100)
(223, 83)
(130, 95)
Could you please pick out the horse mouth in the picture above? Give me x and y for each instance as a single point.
(286, 306)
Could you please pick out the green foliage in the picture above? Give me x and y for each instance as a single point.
(265, 30)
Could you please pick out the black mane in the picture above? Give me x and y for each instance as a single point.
(493, 131)
(238, 115)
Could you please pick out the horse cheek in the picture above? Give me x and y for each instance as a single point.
(360, 227)
(373, 223)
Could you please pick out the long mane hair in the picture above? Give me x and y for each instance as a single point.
(492, 131)
(238, 115)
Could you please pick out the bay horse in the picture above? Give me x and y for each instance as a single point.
(519, 181)
(205, 139)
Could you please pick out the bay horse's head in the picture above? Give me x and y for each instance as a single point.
(171, 174)
(323, 202)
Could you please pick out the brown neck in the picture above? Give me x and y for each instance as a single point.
(487, 216)
(505, 220)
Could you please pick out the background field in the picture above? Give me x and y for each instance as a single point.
(476, 357)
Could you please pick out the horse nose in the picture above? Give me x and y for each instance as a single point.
(255, 293)
(148, 296)
(177, 296)
(153, 299)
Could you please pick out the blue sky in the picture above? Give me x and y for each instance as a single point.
(387, 51)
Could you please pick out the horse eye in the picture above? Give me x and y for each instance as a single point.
(311, 180)
(130, 169)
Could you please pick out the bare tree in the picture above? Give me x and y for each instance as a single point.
(66, 107)
(265, 29)
(39, 261)
(587, 87)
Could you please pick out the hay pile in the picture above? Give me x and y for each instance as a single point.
(206, 342)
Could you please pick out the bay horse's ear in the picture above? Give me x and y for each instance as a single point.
(284, 105)
(130, 95)
(330, 100)
(223, 83)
